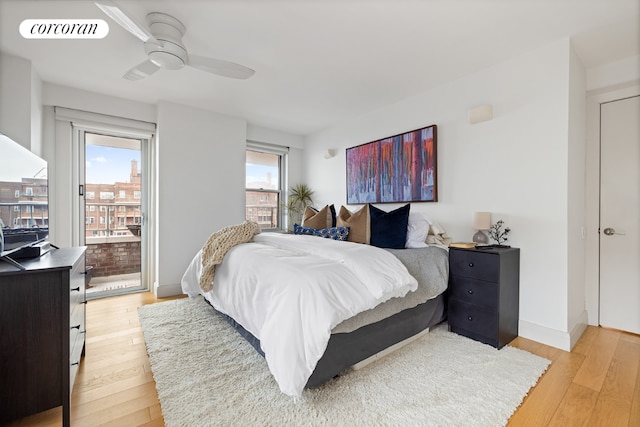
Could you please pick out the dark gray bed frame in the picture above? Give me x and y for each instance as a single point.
(346, 349)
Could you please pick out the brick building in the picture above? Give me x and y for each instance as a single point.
(24, 204)
(114, 209)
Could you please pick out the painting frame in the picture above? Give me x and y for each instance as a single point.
(397, 169)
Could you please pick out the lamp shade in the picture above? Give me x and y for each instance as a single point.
(481, 220)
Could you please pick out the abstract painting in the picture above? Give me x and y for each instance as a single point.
(400, 168)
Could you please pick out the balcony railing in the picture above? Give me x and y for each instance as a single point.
(24, 214)
(112, 219)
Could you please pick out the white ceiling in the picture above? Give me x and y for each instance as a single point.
(319, 62)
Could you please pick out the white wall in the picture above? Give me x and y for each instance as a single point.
(272, 136)
(20, 89)
(201, 157)
(36, 122)
(615, 74)
(515, 166)
(576, 238)
(78, 99)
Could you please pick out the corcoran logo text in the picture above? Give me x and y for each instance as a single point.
(64, 28)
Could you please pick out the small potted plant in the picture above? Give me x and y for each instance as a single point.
(300, 196)
(497, 233)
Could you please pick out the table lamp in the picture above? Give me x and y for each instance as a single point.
(481, 222)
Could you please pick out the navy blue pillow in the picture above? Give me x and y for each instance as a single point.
(334, 233)
(389, 229)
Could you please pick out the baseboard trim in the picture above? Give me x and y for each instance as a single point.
(544, 335)
(164, 291)
(579, 328)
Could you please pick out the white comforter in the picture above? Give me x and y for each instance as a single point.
(291, 291)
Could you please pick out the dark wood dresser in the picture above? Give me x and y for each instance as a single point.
(42, 332)
(484, 288)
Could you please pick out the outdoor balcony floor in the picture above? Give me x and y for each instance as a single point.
(113, 283)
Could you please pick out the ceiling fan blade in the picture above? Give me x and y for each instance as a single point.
(141, 71)
(220, 67)
(125, 20)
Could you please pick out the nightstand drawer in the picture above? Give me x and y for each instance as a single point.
(474, 291)
(472, 318)
(475, 264)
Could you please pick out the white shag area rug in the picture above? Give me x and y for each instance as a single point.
(208, 375)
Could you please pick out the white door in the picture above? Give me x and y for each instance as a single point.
(620, 215)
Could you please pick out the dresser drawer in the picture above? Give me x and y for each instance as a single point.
(475, 264)
(76, 325)
(473, 291)
(77, 347)
(76, 298)
(77, 335)
(77, 275)
(473, 318)
(74, 358)
(76, 286)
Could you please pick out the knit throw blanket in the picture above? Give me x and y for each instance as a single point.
(217, 246)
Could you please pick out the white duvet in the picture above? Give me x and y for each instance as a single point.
(290, 291)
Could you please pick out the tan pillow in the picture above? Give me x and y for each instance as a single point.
(317, 219)
(359, 222)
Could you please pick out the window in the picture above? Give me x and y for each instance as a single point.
(90, 220)
(264, 184)
(17, 194)
(106, 195)
(90, 195)
(122, 194)
(28, 191)
(137, 194)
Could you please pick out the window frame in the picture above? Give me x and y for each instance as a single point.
(282, 152)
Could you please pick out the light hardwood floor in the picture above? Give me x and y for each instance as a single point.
(596, 384)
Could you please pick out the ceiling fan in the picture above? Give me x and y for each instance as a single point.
(163, 45)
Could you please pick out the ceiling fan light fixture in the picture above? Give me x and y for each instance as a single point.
(166, 60)
(171, 56)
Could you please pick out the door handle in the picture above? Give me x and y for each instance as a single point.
(610, 231)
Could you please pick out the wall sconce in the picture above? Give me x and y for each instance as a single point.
(481, 113)
(329, 153)
(481, 222)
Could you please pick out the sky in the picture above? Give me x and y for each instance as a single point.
(106, 165)
(258, 174)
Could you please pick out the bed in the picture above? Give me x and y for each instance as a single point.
(313, 307)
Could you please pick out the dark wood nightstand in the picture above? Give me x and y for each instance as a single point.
(484, 287)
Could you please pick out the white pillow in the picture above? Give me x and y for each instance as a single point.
(417, 230)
